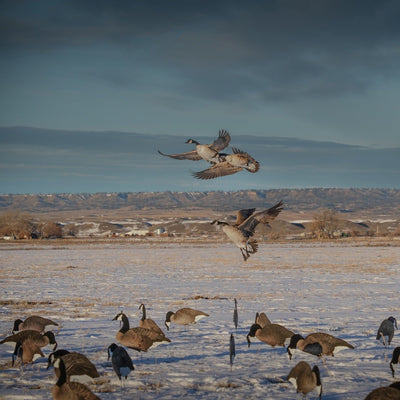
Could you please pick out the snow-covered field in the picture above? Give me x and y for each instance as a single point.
(341, 288)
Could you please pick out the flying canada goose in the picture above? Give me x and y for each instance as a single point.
(262, 320)
(78, 367)
(395, 359)
(139, 339)
(391, 392)
(149, 323)
(184, 316)
(120, 360)
(272, 334)
(64, 390)
(208, 152)
(28, 351)
(34, 322)
(305, 379)
(235, 315)
(386, 329)
(230, 164)
(318, 344)
(246, 222)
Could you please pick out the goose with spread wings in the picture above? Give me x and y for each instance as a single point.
(208, 152)
(242, 231)
(229, 164)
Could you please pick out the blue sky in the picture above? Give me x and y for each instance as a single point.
(324, 70)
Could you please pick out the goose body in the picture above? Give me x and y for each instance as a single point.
(120, 360)
(272, 334)
(34, 322)
(305, 379)
(391, 392)
(242, 231)
(148, 323)
(64, 390)
(229, 164)
(28, 351)
(78, 367)
(138, 338)
(386, 330)
(184, 316)
(207, 152)
(318, 344)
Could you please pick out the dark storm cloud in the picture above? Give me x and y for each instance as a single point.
(257, 50)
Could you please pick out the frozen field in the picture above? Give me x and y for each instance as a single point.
(339, 288)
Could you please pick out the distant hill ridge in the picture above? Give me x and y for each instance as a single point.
(382, 202)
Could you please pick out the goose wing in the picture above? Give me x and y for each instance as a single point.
(263, 217)
(190, 155)
(242, 215)
(250, 164)
(222, 140)
(217, 170)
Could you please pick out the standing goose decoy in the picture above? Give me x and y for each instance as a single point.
(149, 323)
(28, 351)
(78, 367)
(139, 339)
(305, 379)
(262, 320)
(34, 322)
(242, 231)
(386, 329)
(272, 334)
(230, 164)
(318, 344)
(235, 315)
(208, 152)
(64, 390)
(120, 360)
(395, 359)
(184, 316)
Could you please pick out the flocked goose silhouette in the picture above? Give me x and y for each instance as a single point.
(242, 231)
(208, 152)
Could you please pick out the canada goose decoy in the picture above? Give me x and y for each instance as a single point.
(120, 360)
(149, 323)
(318, 344)
(64, 390)
(28, 351)
(208, 152)
(230, 164)
(232, 351)
(246, 222)
(305, 379)
(139, 339)
(262, 319)
(34, 322)
(386, 329)
(184, 316)
(395, 359)
(78, 367)
(272, 334)
(235, 315)
(391, 392)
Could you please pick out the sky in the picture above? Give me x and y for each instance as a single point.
(325, 70)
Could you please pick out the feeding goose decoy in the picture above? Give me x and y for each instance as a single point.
(64, 390)
(391, 392)
(208, 152)
(386, 330)
(235, 315)
(272, 334)
(139, 339)
(120, 360)
(28, 351)
(318, 344)
(34, 322)
(184, 316)
(229, 164)
(78, 367)
(262, 319)
(149, 323)
(395, 359)
(305, 379)
(242, 231)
